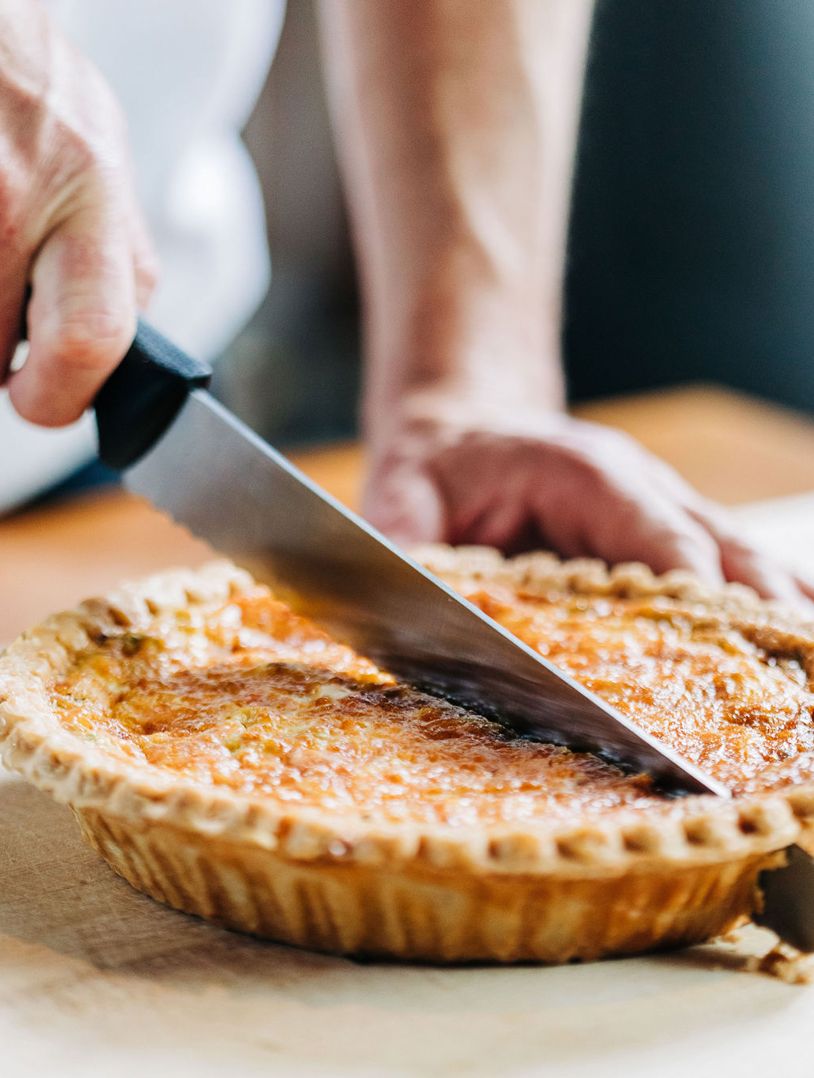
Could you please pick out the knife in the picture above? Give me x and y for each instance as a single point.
(188, 455)
(191, 457)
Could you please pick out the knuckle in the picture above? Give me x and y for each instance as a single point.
(703, 543)
(72, 156)
(695, 546)
(147, 273)
(743, 549)
(87, 160)
(591, 470)
(77, 147)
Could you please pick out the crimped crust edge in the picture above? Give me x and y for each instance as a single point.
(710, 831)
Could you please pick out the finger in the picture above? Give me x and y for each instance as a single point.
(671, 541)
(740, 561)
(683, 545)
(746, 564)
(504, 524)
(749, 566)
(626, 525)
(406, 505)
(81, 319)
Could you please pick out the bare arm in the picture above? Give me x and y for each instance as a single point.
(457, 123)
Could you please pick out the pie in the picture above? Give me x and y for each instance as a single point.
(230, 759)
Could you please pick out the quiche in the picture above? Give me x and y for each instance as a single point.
(227, 757)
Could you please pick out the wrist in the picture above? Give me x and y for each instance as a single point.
(447, 412)
(459, 318)
(484, 375)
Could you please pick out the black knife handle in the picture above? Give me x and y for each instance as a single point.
(143, 395)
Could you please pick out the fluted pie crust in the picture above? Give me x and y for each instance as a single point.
(480, 866)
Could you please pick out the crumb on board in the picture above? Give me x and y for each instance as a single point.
(785, 963)
(752, 948)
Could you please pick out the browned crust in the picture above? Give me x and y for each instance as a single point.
(707, 832)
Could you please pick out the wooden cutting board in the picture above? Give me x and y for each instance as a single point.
(97, 980)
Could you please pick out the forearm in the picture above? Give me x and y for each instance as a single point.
(457, 125)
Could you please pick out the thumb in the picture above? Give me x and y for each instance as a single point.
(405, 504)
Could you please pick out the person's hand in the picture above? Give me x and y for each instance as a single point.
(440, 472)
(70, 229)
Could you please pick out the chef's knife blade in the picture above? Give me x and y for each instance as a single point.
(213, 474)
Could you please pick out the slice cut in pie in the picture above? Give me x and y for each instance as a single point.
(230, 759)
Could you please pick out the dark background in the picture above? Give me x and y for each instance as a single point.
(692, 234)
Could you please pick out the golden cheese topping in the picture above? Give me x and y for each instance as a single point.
(259, 701)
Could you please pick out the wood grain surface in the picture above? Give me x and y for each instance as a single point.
(97, 980)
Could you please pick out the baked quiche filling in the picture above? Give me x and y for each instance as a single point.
(259, 701)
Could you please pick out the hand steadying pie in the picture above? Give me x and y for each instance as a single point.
(545, 479)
